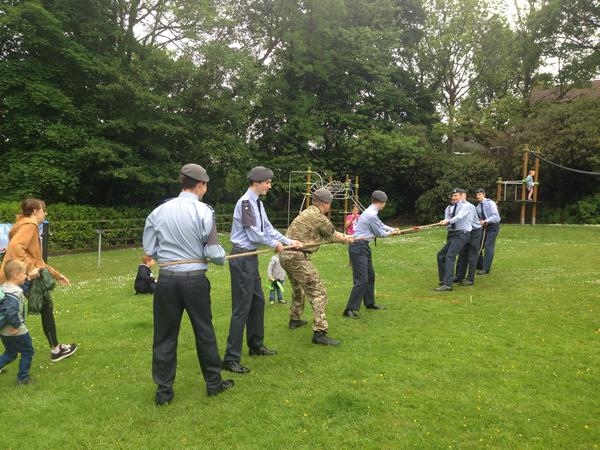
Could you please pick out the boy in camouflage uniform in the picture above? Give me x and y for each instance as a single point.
(311, 225)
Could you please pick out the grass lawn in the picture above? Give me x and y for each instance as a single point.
(509, 363)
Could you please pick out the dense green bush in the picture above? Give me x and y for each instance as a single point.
(585, 211)
(469, 172)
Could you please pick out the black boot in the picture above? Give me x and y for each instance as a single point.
(295, 323)
(320, 337)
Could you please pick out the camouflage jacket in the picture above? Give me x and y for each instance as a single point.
(311, 225)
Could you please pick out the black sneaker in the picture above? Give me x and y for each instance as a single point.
(65, 351)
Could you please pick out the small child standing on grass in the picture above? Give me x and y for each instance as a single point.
(276, 276)
(144, 281)
(15, 335)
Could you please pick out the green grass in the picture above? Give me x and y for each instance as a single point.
(509, 363)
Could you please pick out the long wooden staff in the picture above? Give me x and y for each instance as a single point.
(415, 228)
(290, 247)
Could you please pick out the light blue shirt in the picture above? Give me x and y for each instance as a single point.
(488, 208)
(475, 225)
(246, 229)
(463, 218)
(183, 229)
(370, 226)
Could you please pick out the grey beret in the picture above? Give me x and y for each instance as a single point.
(195, 172)
(457, 191)
(324, 195)
(260, 173)
(380, 196)
(480, 191)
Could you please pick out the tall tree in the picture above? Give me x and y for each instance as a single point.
(572, 36)
(449, 52)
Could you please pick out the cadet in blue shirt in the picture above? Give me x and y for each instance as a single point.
(250, 229)
(467, 258)
(368, 227)
(181, 235)
(459, 218)
(489, 218)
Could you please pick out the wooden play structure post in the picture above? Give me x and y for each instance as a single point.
(535, 188)
(329, 212)
(346, 196)
(307, 194)
(523, 187)
(499, 190)
(502, 187)
(536, 177)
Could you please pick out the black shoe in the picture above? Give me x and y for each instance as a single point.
(159, 400)
(225, 384)
(483, 272)
(261, 351)
(351, 314)
(24, 381)
(443, 288)
(376, 306)
(467, 283)
(235, 367)
(320, 337)
(295, 323)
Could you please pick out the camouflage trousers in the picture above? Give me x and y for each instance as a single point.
(306, 282)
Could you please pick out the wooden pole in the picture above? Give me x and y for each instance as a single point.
(536, 177)
(499, 190)
(307, 203)
(329, 212)
(346, 196)
(356, 189)
(523, 189)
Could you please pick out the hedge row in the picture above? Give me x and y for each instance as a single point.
(77, 227)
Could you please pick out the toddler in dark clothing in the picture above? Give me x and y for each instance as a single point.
(144, 281)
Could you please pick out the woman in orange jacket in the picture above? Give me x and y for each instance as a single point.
(24, 245)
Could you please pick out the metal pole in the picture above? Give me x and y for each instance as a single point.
(45, 239)
(99, 258)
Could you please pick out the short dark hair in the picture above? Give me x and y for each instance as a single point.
(187, 182)
(317, 201)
